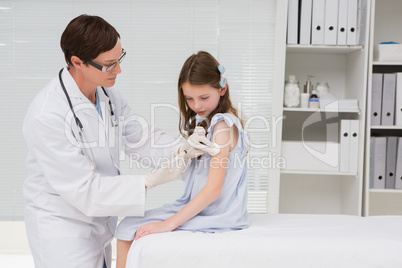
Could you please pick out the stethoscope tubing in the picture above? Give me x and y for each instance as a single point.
(81, 131)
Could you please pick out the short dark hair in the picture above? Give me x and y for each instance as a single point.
(86, 37)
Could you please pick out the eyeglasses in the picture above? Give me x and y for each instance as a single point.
(110, 67)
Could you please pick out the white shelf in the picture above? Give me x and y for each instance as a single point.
(313, 110)
(387, 127)
(311, 172)
(387, 63)
(386, 191)
(322, 49)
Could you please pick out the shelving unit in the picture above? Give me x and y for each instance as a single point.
(385, 20)
(316, 190)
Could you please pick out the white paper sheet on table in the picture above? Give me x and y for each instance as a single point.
(284, 240)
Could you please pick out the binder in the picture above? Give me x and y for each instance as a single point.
(391, 162)
(398, 173)
(398, 99)
(354, 146)
(293, 22)
(305, 22)
(317, 24)
(342, 22)
(388, 100)
(331, 22)
(376, 99)
(344, 146)
(371, 171)
(352, 22)
(379, 157)
(361, 22)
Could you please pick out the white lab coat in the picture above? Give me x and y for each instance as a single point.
(70, 211)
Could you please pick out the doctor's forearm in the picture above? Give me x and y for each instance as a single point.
(122, 195)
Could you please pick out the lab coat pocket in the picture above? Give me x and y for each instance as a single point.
(58, 219)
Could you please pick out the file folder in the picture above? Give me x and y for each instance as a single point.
(305, 22)
(344, 146)
(378, 154)
(293, 22)
(331, 22)
(391, 162)
(361, 21)
(398, 100)
(398, 173)
(376, 99)
(342, 22)
(352, 22)
(354, 146)
(388, 100)
(317, 25)
(371, 170)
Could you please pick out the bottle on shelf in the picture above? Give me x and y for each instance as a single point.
(305, 96)
(292, 92)
(314, 102)
(322, 89)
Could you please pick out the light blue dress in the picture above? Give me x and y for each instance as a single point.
(227, 212)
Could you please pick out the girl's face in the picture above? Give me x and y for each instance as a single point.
(202, 99)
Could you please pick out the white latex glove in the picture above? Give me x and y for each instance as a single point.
(197, 144)
(170, 172)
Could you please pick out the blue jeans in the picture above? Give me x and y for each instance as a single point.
(104, 264)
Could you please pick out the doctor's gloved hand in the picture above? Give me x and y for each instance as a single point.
(197, 144)
(170, 172)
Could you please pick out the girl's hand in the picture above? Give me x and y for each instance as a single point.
(152, 228)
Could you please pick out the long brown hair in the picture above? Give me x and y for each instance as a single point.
(201, 69)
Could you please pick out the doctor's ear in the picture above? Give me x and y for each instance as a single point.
(77, 62)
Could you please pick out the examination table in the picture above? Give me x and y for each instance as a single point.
(279, 240)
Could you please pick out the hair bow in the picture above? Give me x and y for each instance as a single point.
(222, 70)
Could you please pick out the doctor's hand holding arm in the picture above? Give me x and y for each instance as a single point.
(75, 129)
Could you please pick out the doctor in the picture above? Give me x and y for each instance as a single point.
(75, 129)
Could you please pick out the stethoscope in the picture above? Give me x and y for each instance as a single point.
(81, 132)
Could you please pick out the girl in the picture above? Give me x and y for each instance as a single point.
(215, 198)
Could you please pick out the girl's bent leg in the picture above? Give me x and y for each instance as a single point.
(122, 250)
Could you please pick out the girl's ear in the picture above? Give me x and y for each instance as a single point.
(223, 90)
